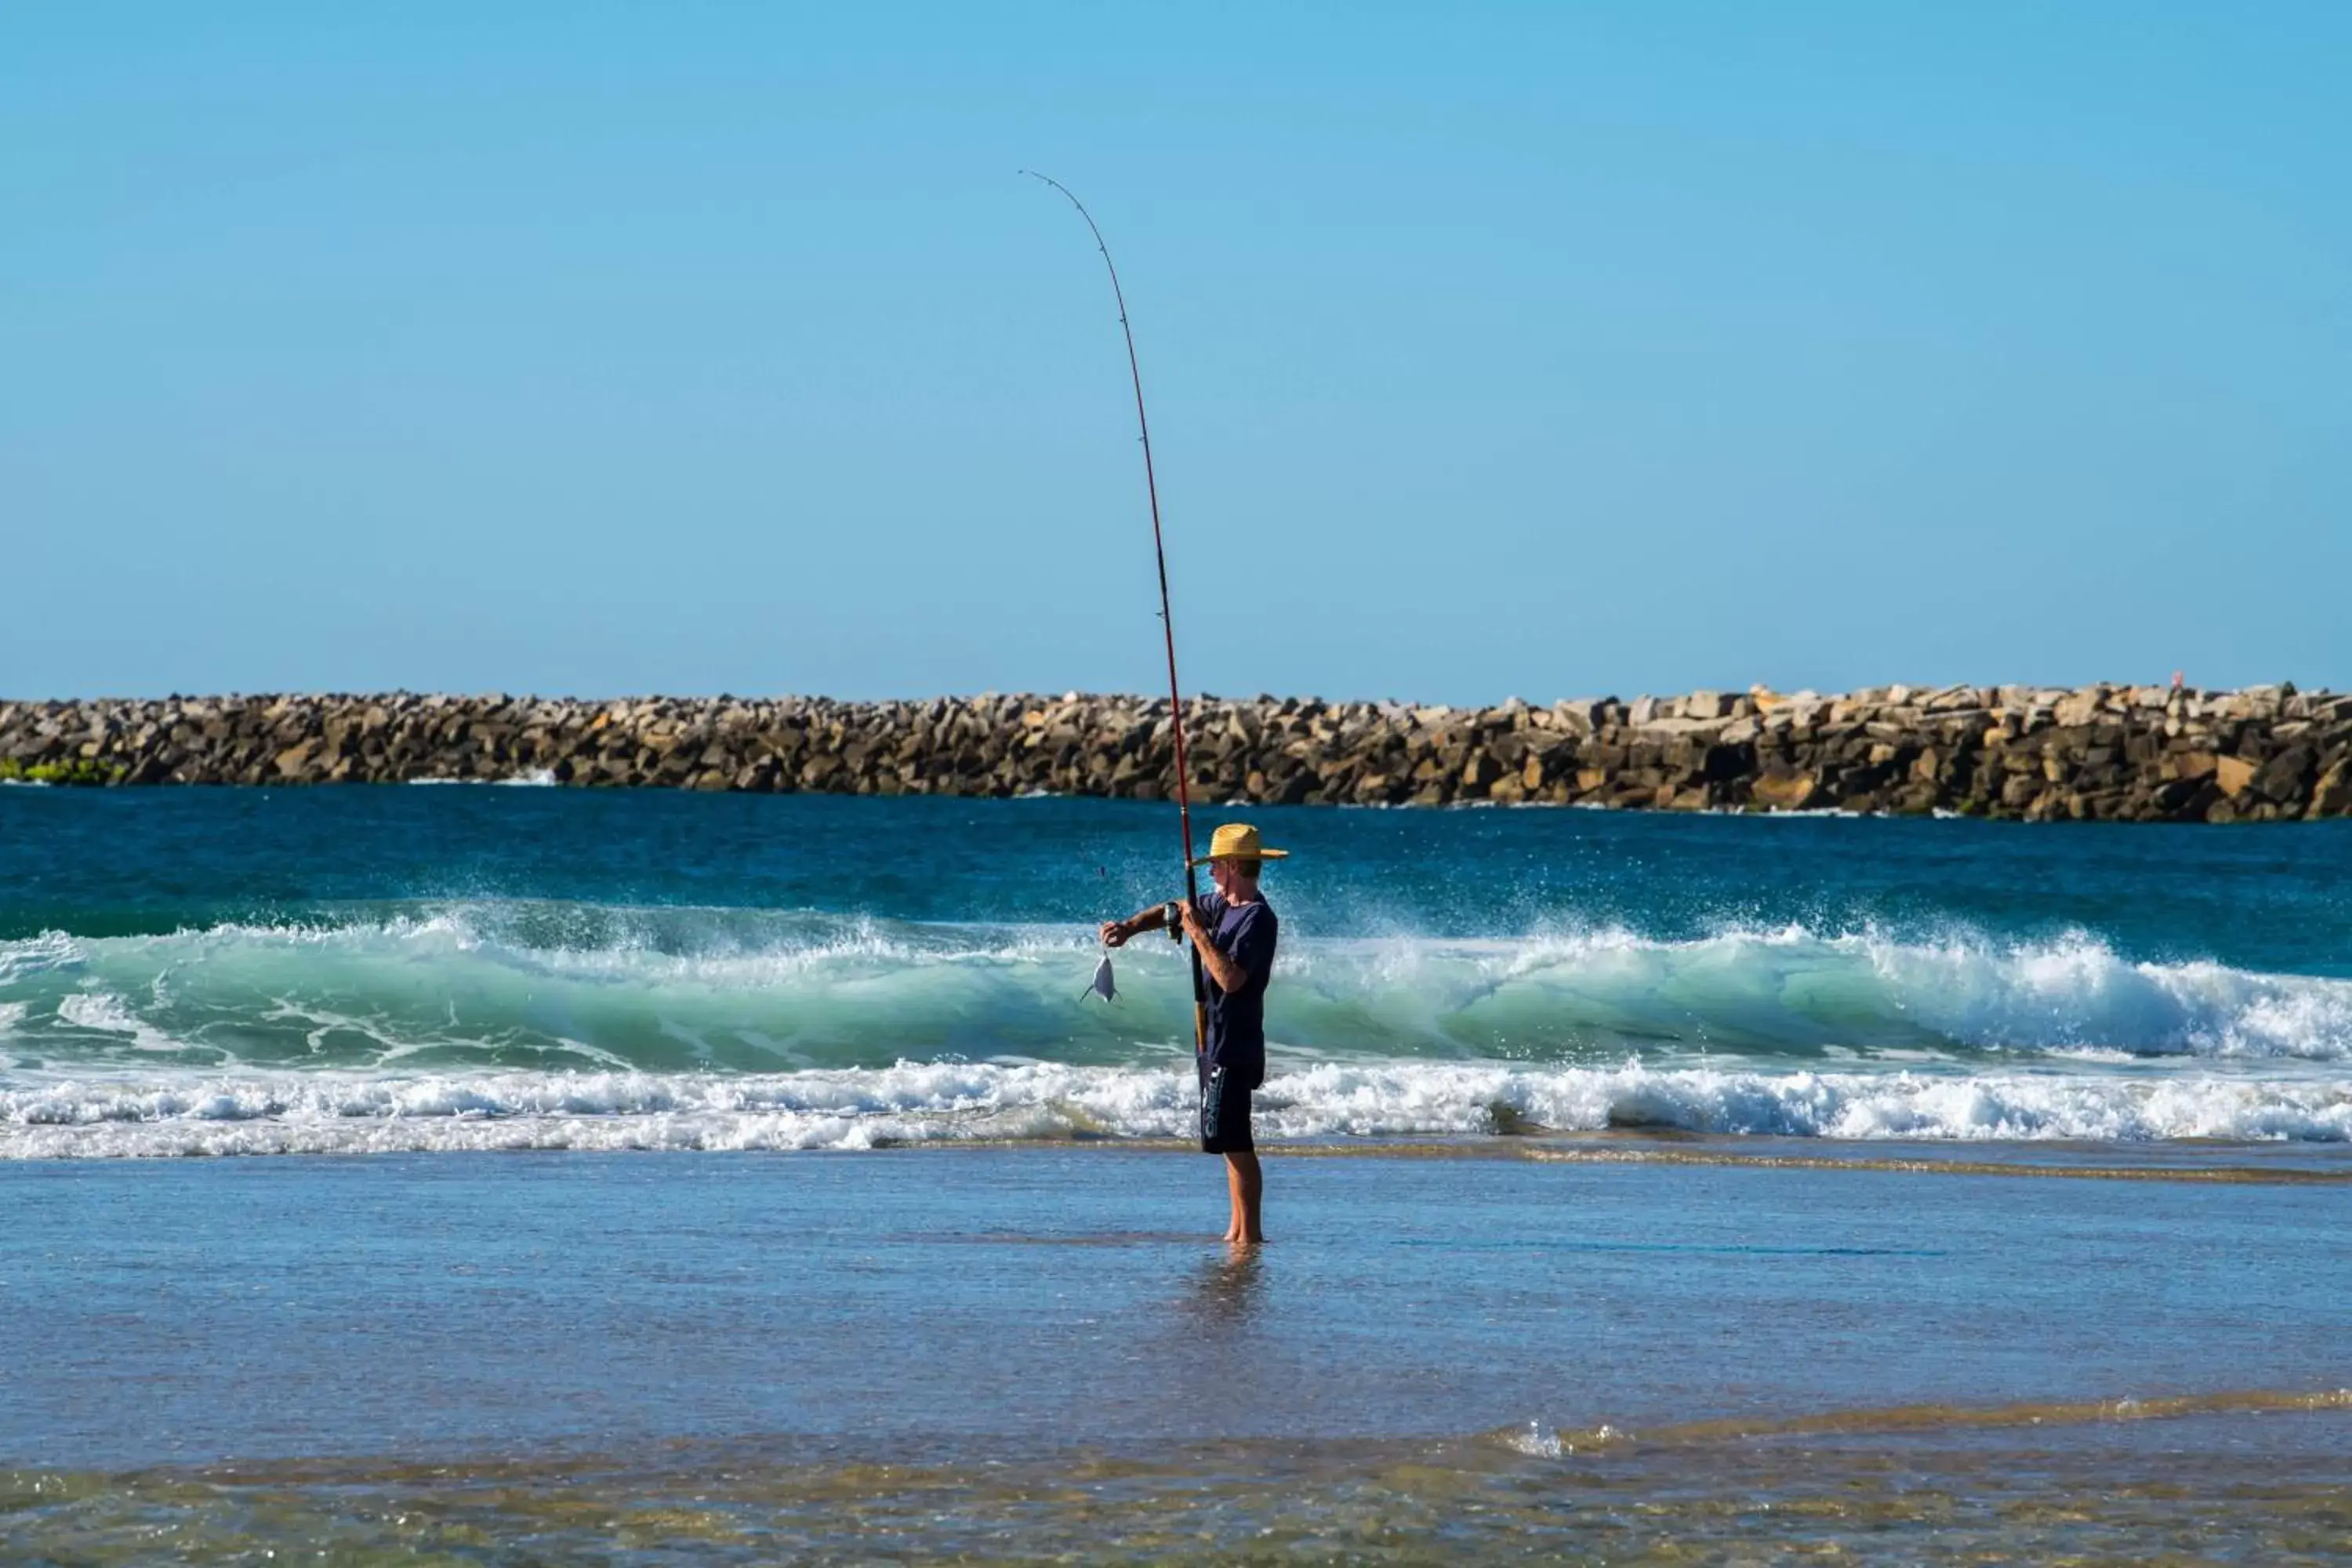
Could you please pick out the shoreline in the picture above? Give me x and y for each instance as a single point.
(2092, 753)
(2212, 1162)
(773, 1457)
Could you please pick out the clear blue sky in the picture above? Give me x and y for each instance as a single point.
(1493, 349)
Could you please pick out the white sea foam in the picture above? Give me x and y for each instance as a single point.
(34, 956)
(107, 1014)
(1537, 1439)
(52, 1114)
(543, 777)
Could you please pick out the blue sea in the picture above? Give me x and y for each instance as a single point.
(422, 969)
(648, 1177)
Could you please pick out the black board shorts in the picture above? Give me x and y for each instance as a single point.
(1224, 1110)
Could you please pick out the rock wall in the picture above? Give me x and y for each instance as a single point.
(2102, 752)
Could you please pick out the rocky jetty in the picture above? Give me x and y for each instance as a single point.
(2100, 753)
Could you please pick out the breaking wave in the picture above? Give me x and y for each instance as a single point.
(43, 1115)
(554, 986)
(490, 1024)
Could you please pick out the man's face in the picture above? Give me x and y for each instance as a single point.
(1225, 874)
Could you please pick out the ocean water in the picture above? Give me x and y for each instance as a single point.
(657, 1178)
(413, 969)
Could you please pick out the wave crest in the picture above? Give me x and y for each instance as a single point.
(530, 985)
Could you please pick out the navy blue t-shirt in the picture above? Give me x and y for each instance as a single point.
(1245, 934)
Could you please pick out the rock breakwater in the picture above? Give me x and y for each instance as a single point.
(2099, 753)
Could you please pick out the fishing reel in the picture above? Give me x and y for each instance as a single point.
(1175, 917)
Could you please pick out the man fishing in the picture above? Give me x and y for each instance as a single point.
(1233, 931)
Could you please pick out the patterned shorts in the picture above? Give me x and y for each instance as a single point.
(1225, 1110)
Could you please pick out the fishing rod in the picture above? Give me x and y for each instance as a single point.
(1167, 620)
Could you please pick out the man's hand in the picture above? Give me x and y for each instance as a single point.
(1222, 969)
(1114, 933)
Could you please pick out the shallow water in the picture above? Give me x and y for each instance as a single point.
(2193, 1491)
(1031, 1351)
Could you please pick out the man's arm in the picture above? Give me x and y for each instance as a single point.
(1229, 975)
(1116, 932)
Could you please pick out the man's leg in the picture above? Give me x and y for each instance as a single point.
(1247, 1185)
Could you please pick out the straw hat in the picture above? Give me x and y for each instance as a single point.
(1238, 841)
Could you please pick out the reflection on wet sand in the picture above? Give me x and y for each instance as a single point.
(1226, 1285)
